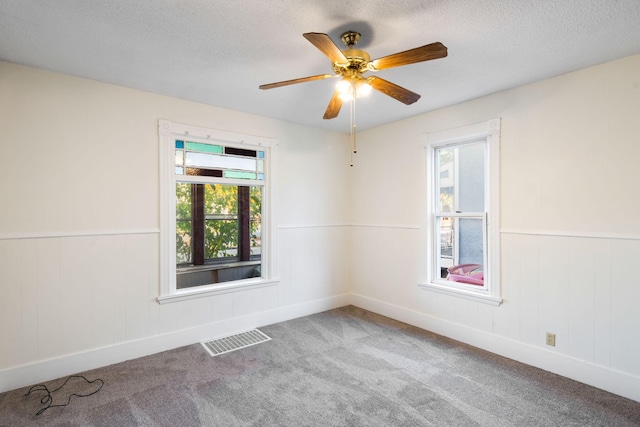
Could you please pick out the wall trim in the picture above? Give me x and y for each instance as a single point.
(575, 234)
(216, 289)
(47, 370)
(599, 376)
(392, 226)
(292, 226)
(81, 233)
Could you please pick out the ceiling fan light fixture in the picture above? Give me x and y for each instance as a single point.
(344, 86)
(347, 86)
(363, 89)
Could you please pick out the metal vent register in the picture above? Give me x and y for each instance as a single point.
(235, 342)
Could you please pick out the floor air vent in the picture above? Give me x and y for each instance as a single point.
(235, 342)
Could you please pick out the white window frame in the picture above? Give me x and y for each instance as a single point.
(489, 132)
(168, 133)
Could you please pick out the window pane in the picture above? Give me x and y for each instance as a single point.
(446, 157)
(470, 241)
(223, 162)
(240, 152)
(471, 177)
(207, 148)
(221, 220)
(239, 175)
(471, 274)
(460, 174)
(255, 207)
(445, 253)
(183, 223)
(218, 230)
(460, 248)
(221, 238)
(204, 172)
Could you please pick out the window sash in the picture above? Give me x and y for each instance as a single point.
(437, 214)
(201, 218)
(436, 260)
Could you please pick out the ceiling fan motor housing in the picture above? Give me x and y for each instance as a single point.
(358, 60)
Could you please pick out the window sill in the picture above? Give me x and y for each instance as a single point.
(210, 267)
(484, 298)
(216, 289)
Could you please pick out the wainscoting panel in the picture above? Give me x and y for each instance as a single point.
(528, 288)
(602, 282)
(584, 289)
(63, 295)
(625, 303)
(10, 304)
(76, 302)
(313, 262)
(582, 272)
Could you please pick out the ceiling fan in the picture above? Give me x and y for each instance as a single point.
(351, 64)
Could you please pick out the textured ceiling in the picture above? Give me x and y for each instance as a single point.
(218, 52)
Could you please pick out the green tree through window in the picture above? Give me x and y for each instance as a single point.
(216, 222)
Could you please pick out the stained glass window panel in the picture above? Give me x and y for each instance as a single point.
(205, 148)
(216, 173)
(240, 175)
(222, 162)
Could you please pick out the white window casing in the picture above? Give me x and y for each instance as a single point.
(489, 133)
(169, 132)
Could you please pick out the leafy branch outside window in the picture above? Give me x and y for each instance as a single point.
(215, 221)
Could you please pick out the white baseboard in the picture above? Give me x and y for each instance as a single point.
(599, 376)
(46, 370)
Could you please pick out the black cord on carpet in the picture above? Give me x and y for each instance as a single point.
(48, 399)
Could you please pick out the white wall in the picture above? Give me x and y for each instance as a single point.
(570, 232)
(79, 226)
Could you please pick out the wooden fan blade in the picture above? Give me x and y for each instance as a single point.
(425, 53)
(294, 81)
(393, 90)
(326, 46)
(334, 107)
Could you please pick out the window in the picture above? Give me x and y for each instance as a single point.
(462, 220)
(215, 212)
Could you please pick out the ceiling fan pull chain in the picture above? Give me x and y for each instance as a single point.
(354, 139)
(352, 107)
